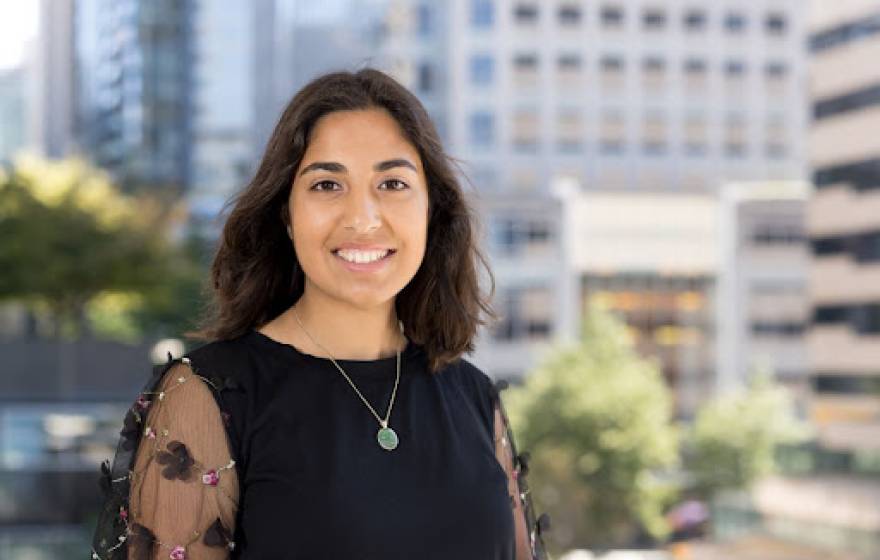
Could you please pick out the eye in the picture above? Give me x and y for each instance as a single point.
(400, 184)
(320, 184)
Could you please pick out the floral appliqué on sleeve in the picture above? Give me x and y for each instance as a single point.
(121, 532)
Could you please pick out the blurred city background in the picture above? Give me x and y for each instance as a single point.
(680, 200)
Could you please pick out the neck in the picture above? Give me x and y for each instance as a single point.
(344, 331)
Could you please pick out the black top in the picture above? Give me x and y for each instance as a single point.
(316, 483)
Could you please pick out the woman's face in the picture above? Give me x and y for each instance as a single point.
(359, 192)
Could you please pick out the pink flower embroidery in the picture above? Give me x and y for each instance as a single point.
(211, 478)
(177, 553)
(143, 403)
(122, 513)
(150, 433)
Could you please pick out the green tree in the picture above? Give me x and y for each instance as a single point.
(596, 419)
(735, 437)
(69, 238)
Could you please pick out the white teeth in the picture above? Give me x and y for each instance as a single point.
(361, 256)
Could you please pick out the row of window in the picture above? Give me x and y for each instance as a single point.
(779, 234)
(862, 247)
(862, 175)
(614, 16)
(612, 133)
(482, 66)
(862, 318)
(778, 328)
(845, 33)
(848, 102)
(846, 384)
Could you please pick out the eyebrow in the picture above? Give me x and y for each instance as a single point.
(335, 167)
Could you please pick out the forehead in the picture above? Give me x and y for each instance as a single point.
(364, 133)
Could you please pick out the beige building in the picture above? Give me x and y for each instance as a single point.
(762, 301)
(843, 220)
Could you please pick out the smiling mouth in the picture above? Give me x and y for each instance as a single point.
(361, 259)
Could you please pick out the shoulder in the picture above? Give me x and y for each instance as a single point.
(228, 364)
(475, 377)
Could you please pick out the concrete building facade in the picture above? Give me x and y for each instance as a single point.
(844, 226)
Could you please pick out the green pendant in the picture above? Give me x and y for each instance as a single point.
(387, 438)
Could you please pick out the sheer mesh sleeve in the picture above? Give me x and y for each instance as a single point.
(529, 544)
(172, 491)
(184, 489)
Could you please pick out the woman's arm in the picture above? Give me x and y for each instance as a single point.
(184, 487)
(504, 452)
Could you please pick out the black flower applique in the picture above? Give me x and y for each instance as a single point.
(522, 461)
(141, 541)
(543, 523)
(106, 479)
(131, 429)
(223, 382)
(218, 535)
(178, 462)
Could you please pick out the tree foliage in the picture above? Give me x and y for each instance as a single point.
(734, 438)
(69, 238)
(596, 419)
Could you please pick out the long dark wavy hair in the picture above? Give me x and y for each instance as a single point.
(255, 273)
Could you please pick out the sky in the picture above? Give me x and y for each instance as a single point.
(18, 23)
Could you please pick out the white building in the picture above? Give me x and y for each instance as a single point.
(672, 96)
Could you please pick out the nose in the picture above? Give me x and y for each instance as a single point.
(362, 211)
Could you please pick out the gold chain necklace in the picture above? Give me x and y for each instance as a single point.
(386, 437)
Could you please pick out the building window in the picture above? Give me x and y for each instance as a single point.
(735, 22)
(734, 69)
(778, 234)
(695, 135)
(525, 130)
(612, 16)
(653, 19)
(863, 318)
(482, 13)
(735, 137)
(653, 73)
(695, 75)
(695, 20)
(526, 313)
(525, 62)
(611, 64)
(778, 328)
(569, 15)
(426, 78)
(859, 175)
(654, 135)
(612, 72)
(569, 62)
(482, 70)
(848, 102)
(845, 33)
(525, 70)
(612, 133)
(482, 129)
(424, 20)
(569, 131)
(775, 24)
(526, 14)
(845, 384)
(776, 137)
(517, 236)
(694, 67)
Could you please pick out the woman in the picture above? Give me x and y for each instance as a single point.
(331, 415)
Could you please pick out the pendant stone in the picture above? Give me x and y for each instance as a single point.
(387, 438)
